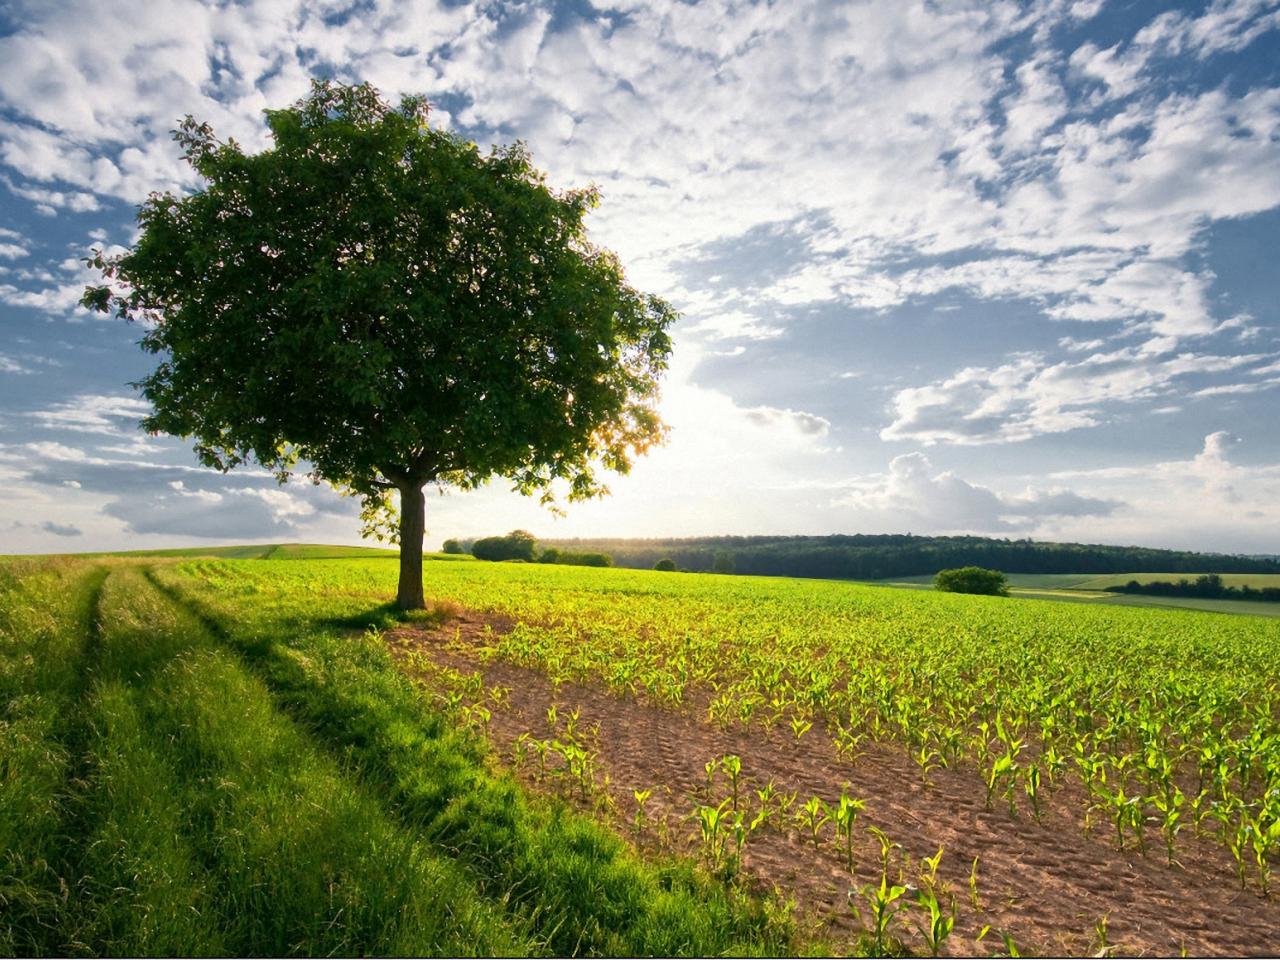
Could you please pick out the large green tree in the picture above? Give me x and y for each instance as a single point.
(385, 306)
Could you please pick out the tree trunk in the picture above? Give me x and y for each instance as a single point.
(413, 515)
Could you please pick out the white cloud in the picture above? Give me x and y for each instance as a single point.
(732, 325)
(76, 201)
(805, 423)
(1227, 25)
(105, 414)
(9, 365)
(891, 134)
(59, 293)
(704, 121)
(1031, 396)
(912, 496)
(1201, 503)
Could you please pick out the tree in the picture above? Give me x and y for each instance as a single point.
(666, 564)
(516, 545)
(452, 547)
(972, 580)
(383, 306)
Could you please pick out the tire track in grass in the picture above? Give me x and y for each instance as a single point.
(46, 615)
(141, 888)
(581, 886)
(217, 828)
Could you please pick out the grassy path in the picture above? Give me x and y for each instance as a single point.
(45, 630)
(157, 803)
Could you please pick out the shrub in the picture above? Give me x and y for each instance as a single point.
(516, 545)
(569, 558)
(452, 546)
(972, 580)
(665, 564)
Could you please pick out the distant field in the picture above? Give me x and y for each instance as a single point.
(1246, 607)
(1255, 580)
(1090, 588)
(1042, 580)
(281, 551)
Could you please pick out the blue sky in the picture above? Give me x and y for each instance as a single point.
(1003, 268)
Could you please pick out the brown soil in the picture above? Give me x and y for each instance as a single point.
(1047, 884)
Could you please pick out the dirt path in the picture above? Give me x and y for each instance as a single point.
(1047, 884)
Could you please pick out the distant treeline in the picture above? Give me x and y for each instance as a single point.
(1207, 586)
(879, 557)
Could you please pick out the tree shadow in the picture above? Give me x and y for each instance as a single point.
(382, 617)
(386, 616)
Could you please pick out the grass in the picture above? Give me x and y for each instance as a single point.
(179, 785)
(581, 885)
(45, 609)
(213, 825)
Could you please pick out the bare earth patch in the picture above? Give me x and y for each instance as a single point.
(1047, 884)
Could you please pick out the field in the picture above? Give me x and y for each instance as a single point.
(258, 756)
(1092, 588)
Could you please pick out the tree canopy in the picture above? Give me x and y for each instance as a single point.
(972, 580)
(386, 306)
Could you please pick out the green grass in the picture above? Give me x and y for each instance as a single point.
(1047, 581)
(582, 887)
(263, 551)
(175, 785)
(320, 551)
(45, 608)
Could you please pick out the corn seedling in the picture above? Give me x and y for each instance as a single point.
(880, 901)
(520, 751)
(1102, 945)
(1010, 948)
(845, 816)
(1033, 790)
(936, 924)
(711, 823)
(642, 798)
(732, 767)
(812, 816)
(887, 846)
(930, 878)
(767, 795)
(800, 726)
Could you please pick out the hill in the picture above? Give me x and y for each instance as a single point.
(878, 557)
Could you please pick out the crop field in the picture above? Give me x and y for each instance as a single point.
(259, 756)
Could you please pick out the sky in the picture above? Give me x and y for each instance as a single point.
(945, 267)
